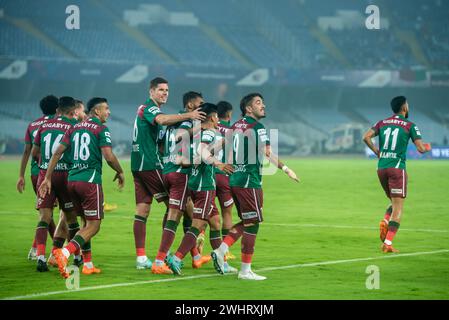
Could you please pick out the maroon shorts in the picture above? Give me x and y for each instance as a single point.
(394, 182)
(58, 191)
(34, 183)
(176, 183)
(149, 184)
(88, 199)
(204, 206)
(224, 193)
(249, 203)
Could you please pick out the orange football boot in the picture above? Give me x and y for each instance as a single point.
(61, 261)
(388, 249)
(92, 270)
(383, 228)
(196, 264)
(164, 269)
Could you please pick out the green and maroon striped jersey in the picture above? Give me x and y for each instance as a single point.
(85, 141)
(249, 141)
(30, 134)
(48, 137)
(223, 127)
(202, 175)
(172, 149)
(394, 134)
(146, 134)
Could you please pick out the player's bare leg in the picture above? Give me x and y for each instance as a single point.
(140, 221)
(393, 225)
(383, 225)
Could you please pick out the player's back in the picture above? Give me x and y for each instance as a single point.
(394, 134)
(48, 137)
(86, 140)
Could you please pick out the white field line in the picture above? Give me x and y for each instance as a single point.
(295, 225)
(304, 265)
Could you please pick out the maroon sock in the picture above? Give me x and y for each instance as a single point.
(41, 237)
(188, 242)
(249, 242)
(168, 236)
(140, 228)
(234, 234)
(215, 238)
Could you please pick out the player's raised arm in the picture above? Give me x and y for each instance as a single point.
(367, 138)
(23, 165)
(169, 119)
(46, 183)
(113, 162)
(274, 159)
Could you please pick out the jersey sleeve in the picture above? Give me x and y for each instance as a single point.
(186, 125)
(151, 113)
(28, 138)
(262, 135)
(415, 134)
(208, 137)
(376, 128)
(105, 138)
(66, 138)
(37, 138)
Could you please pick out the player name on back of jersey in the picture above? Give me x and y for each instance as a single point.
(388, 155)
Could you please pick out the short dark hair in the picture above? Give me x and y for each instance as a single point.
(78, 102)
(223, 107)
(208, 109)
(246, 101)
(189, 96)
(157, 81)
(49, 104)
(92, 103)
(397, 102)
(66, 104)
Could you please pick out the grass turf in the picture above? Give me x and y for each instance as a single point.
(331, 215)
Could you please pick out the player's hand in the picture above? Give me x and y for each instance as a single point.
(197, 115)
(226, 168)
(292, 174)
(21, 184)
(45, 188)
(377, 153)
(121, 180)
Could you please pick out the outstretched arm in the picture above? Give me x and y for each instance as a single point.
(274, 159)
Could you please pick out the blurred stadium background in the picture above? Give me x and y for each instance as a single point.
(325, 77)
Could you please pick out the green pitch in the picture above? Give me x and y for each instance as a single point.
(317, 241)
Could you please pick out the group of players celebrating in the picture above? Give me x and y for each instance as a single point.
(184, 160)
